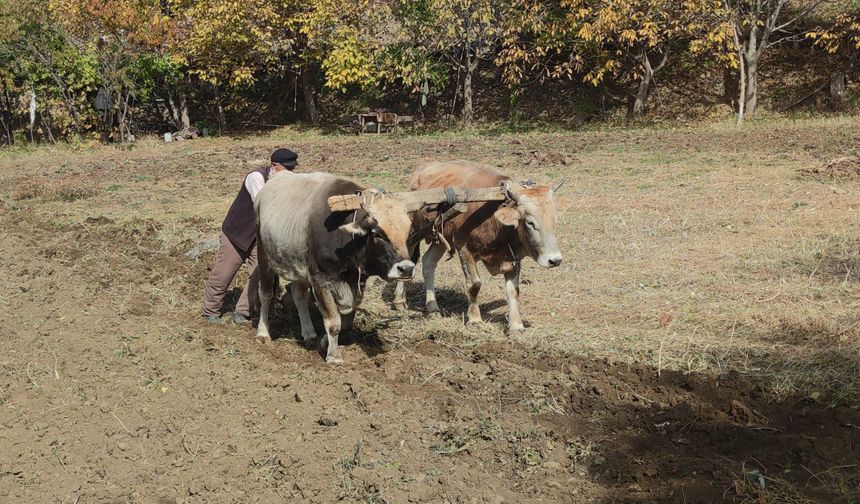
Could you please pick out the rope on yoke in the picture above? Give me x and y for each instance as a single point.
(439, 221)
(450, 197)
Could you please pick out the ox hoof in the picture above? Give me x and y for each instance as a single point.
(474, 321)
(262, 338)
(401, 307)
(334, 357)
(516, 329)
(308, 339)
(432, 307)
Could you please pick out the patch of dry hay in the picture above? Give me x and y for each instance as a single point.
(65, 191)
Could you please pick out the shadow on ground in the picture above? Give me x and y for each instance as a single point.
(453, 302)
(671, 437)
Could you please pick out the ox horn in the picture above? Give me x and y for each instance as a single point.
(557, 186)
(510, 192)
(505, 188)
(369, 197)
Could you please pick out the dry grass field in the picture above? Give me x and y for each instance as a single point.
(700, 342)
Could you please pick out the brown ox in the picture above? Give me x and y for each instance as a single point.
(498, 234)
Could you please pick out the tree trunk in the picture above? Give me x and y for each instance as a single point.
(174, 110)
(184, 120)
(109, 114)
(45, 126)
(641, 95)
(644, 85)
(222, 119)
(742, 85)
(468, 110)
(122, 117)
(4, 114)
(6, 132)
(752, 85)
(751, 57)
(837, 90)
(308, 92)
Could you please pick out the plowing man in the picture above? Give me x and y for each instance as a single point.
(238, 244)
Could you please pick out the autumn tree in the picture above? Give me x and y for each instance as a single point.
(464, 33)
(8, 36)
(119, 34)
(345, 39)
(758, 25)
(230, 42)
(839, 37)
(40, 64)
(609, 38)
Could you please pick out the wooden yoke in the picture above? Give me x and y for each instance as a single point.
(415, 200)
(347, 202)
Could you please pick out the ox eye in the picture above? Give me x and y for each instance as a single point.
(531, 223)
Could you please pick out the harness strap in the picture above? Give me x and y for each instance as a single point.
(513, 256)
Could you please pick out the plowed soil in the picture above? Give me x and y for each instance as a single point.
(841, 168)
(114, 390)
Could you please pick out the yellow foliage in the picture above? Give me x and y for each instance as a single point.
(843, 31)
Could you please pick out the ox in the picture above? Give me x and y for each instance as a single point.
(498, 234)
(331, 253)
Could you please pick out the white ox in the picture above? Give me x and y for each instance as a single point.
(329, 253)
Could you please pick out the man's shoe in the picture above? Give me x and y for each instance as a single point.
(240, 319)
(213, 319)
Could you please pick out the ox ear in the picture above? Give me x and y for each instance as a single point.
(354, 228)
(562, 204)
(508, 216)
(359, 228)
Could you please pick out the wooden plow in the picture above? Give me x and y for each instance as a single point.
(447, 202)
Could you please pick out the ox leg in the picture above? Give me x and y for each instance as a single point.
(512, 289)
(331, 320)
(300, 294)
(346, 321)
(428, 268)
(473, 283)
(265, 289)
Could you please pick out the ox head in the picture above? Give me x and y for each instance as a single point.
(533, 210)
(383, 228)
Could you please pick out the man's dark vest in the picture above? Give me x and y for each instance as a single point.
(240, 225)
